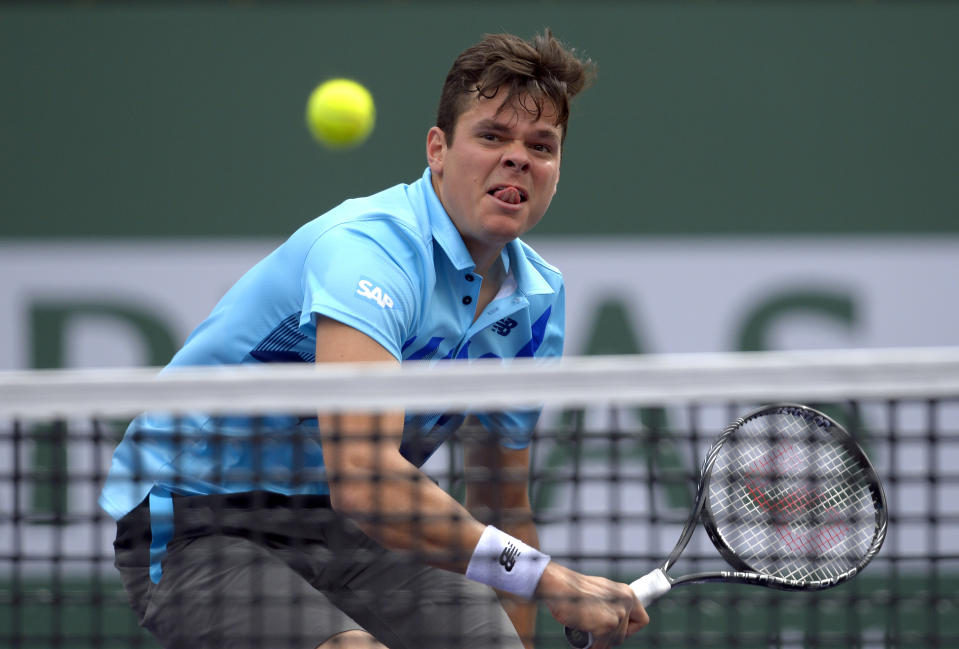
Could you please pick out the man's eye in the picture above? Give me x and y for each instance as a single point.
(492, 137)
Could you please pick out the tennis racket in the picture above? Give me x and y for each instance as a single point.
(789, 500)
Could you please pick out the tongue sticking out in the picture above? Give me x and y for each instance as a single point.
(508, 195)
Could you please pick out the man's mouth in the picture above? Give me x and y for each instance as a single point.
(508, 194)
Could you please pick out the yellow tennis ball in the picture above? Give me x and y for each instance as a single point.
(340, 113)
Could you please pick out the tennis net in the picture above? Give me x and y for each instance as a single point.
(614, 462)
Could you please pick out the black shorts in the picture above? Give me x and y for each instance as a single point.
(258, 570)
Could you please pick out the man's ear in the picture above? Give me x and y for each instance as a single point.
(436, 149)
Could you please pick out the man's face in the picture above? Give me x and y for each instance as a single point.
(499, 174)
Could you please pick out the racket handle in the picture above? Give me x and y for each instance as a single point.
(648, 589)
(651, 587)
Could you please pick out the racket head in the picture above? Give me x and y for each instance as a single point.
(788, 495)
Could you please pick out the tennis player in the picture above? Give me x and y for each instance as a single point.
(233, 532)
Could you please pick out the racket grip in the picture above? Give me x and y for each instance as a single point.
(647, 588)
(651, 587)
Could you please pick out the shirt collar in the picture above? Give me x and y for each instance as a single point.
(444, 232)
(528, 278)
(514, 258)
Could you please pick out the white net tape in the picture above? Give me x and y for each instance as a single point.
(805, 376)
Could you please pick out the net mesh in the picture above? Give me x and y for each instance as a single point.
(614, 463)
(791, 500)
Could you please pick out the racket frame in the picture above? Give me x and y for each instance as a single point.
(658, 582)
(743, 573)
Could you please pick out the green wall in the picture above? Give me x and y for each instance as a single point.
(708, 117)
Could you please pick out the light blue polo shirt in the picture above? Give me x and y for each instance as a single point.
(393, 266)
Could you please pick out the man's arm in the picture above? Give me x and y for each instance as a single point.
(401, 508)
(393, 501)
(497, 493)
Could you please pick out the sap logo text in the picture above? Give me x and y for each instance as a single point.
(375, 293)
(507, 558)
(504, 326)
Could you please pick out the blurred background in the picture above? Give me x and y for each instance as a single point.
(743, 176)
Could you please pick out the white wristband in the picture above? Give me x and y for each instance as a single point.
(506, 563)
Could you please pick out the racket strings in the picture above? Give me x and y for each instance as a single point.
(790, 501)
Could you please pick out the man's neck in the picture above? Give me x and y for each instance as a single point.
(493, 278)
(489, 265)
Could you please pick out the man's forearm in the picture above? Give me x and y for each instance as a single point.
(394, 502)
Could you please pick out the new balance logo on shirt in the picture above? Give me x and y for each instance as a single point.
(375, 293)
(504, 326)
(507, 558)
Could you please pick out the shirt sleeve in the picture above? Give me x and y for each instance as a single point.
(359, 274)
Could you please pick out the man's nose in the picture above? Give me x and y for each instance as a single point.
(516, 157)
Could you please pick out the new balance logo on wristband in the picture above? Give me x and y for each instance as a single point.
(507, 558)
(522, 565)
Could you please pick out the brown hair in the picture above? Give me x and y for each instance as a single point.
(542, 70)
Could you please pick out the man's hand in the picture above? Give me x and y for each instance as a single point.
(607, 609)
